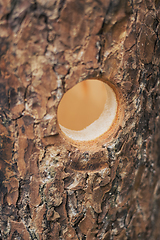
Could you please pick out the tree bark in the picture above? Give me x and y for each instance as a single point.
(49, 187)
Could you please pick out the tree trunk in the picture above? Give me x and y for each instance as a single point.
(51, 188)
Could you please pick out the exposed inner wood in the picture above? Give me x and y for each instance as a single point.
(82, 105)
(87, 110)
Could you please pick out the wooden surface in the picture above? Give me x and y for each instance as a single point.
(50, 189)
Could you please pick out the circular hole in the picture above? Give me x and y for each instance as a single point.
(87, 110)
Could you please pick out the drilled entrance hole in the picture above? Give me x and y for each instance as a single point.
(87, 110)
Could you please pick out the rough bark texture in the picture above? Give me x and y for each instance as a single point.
(50, 189)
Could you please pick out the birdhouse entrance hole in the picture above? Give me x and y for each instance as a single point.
(87, 110)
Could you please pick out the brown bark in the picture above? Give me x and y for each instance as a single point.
(49, 188)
